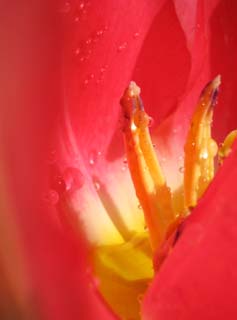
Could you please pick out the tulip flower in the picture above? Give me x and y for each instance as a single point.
(76, 239)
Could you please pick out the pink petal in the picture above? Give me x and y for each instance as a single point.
(55, 261)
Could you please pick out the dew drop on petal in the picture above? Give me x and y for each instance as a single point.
(122, 46)
(73, 178)
(124, 168)
(81, 5)
(97, 186)
(58, 184)
(99, 33)
(51, 197)
(125, 161)
(88, 41)
(136, 35)
(76, 19)
(139, 206)
(86, 81)
(151, 122)
(66, 7)
(94, 157)
(181, 169)
(77, 51)
(52, 157)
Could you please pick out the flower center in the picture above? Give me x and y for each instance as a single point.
(125, 270)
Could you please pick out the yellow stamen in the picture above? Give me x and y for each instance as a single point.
(226, 146)
(200, 149)
(147, 176)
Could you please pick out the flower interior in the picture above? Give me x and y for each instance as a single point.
(125, 270)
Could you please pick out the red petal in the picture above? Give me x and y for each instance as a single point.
(30, 102)
(198, 280)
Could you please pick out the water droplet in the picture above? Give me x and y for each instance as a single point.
(151, 122)
(122, 47)
(97, 186)
(86, 81)
(125, 161)
(52, 157)
(73, 178)
(139, 206)
(81, 5)
(103, 69)
(51, 197)
(77, 51)
(140, 298)
(100, 32)
(181, 169)
(204, 155)
(93, 157)
(58, 184)
(154, 145)
(136, 35)
(124, 168)
(88, 41)
(66, 7)
(91, 76)
(77, 19)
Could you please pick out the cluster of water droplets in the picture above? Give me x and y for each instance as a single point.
(79, 9)
(93, 159)
(61, 184)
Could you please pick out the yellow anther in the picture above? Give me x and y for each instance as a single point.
(200, 149)
(148, 179)
(226, 146)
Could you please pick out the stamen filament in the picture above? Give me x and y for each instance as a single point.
(200, 149)
(146, 173)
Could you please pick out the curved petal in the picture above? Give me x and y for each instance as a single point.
(55, 261)
(87, 97)
(198, 280)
